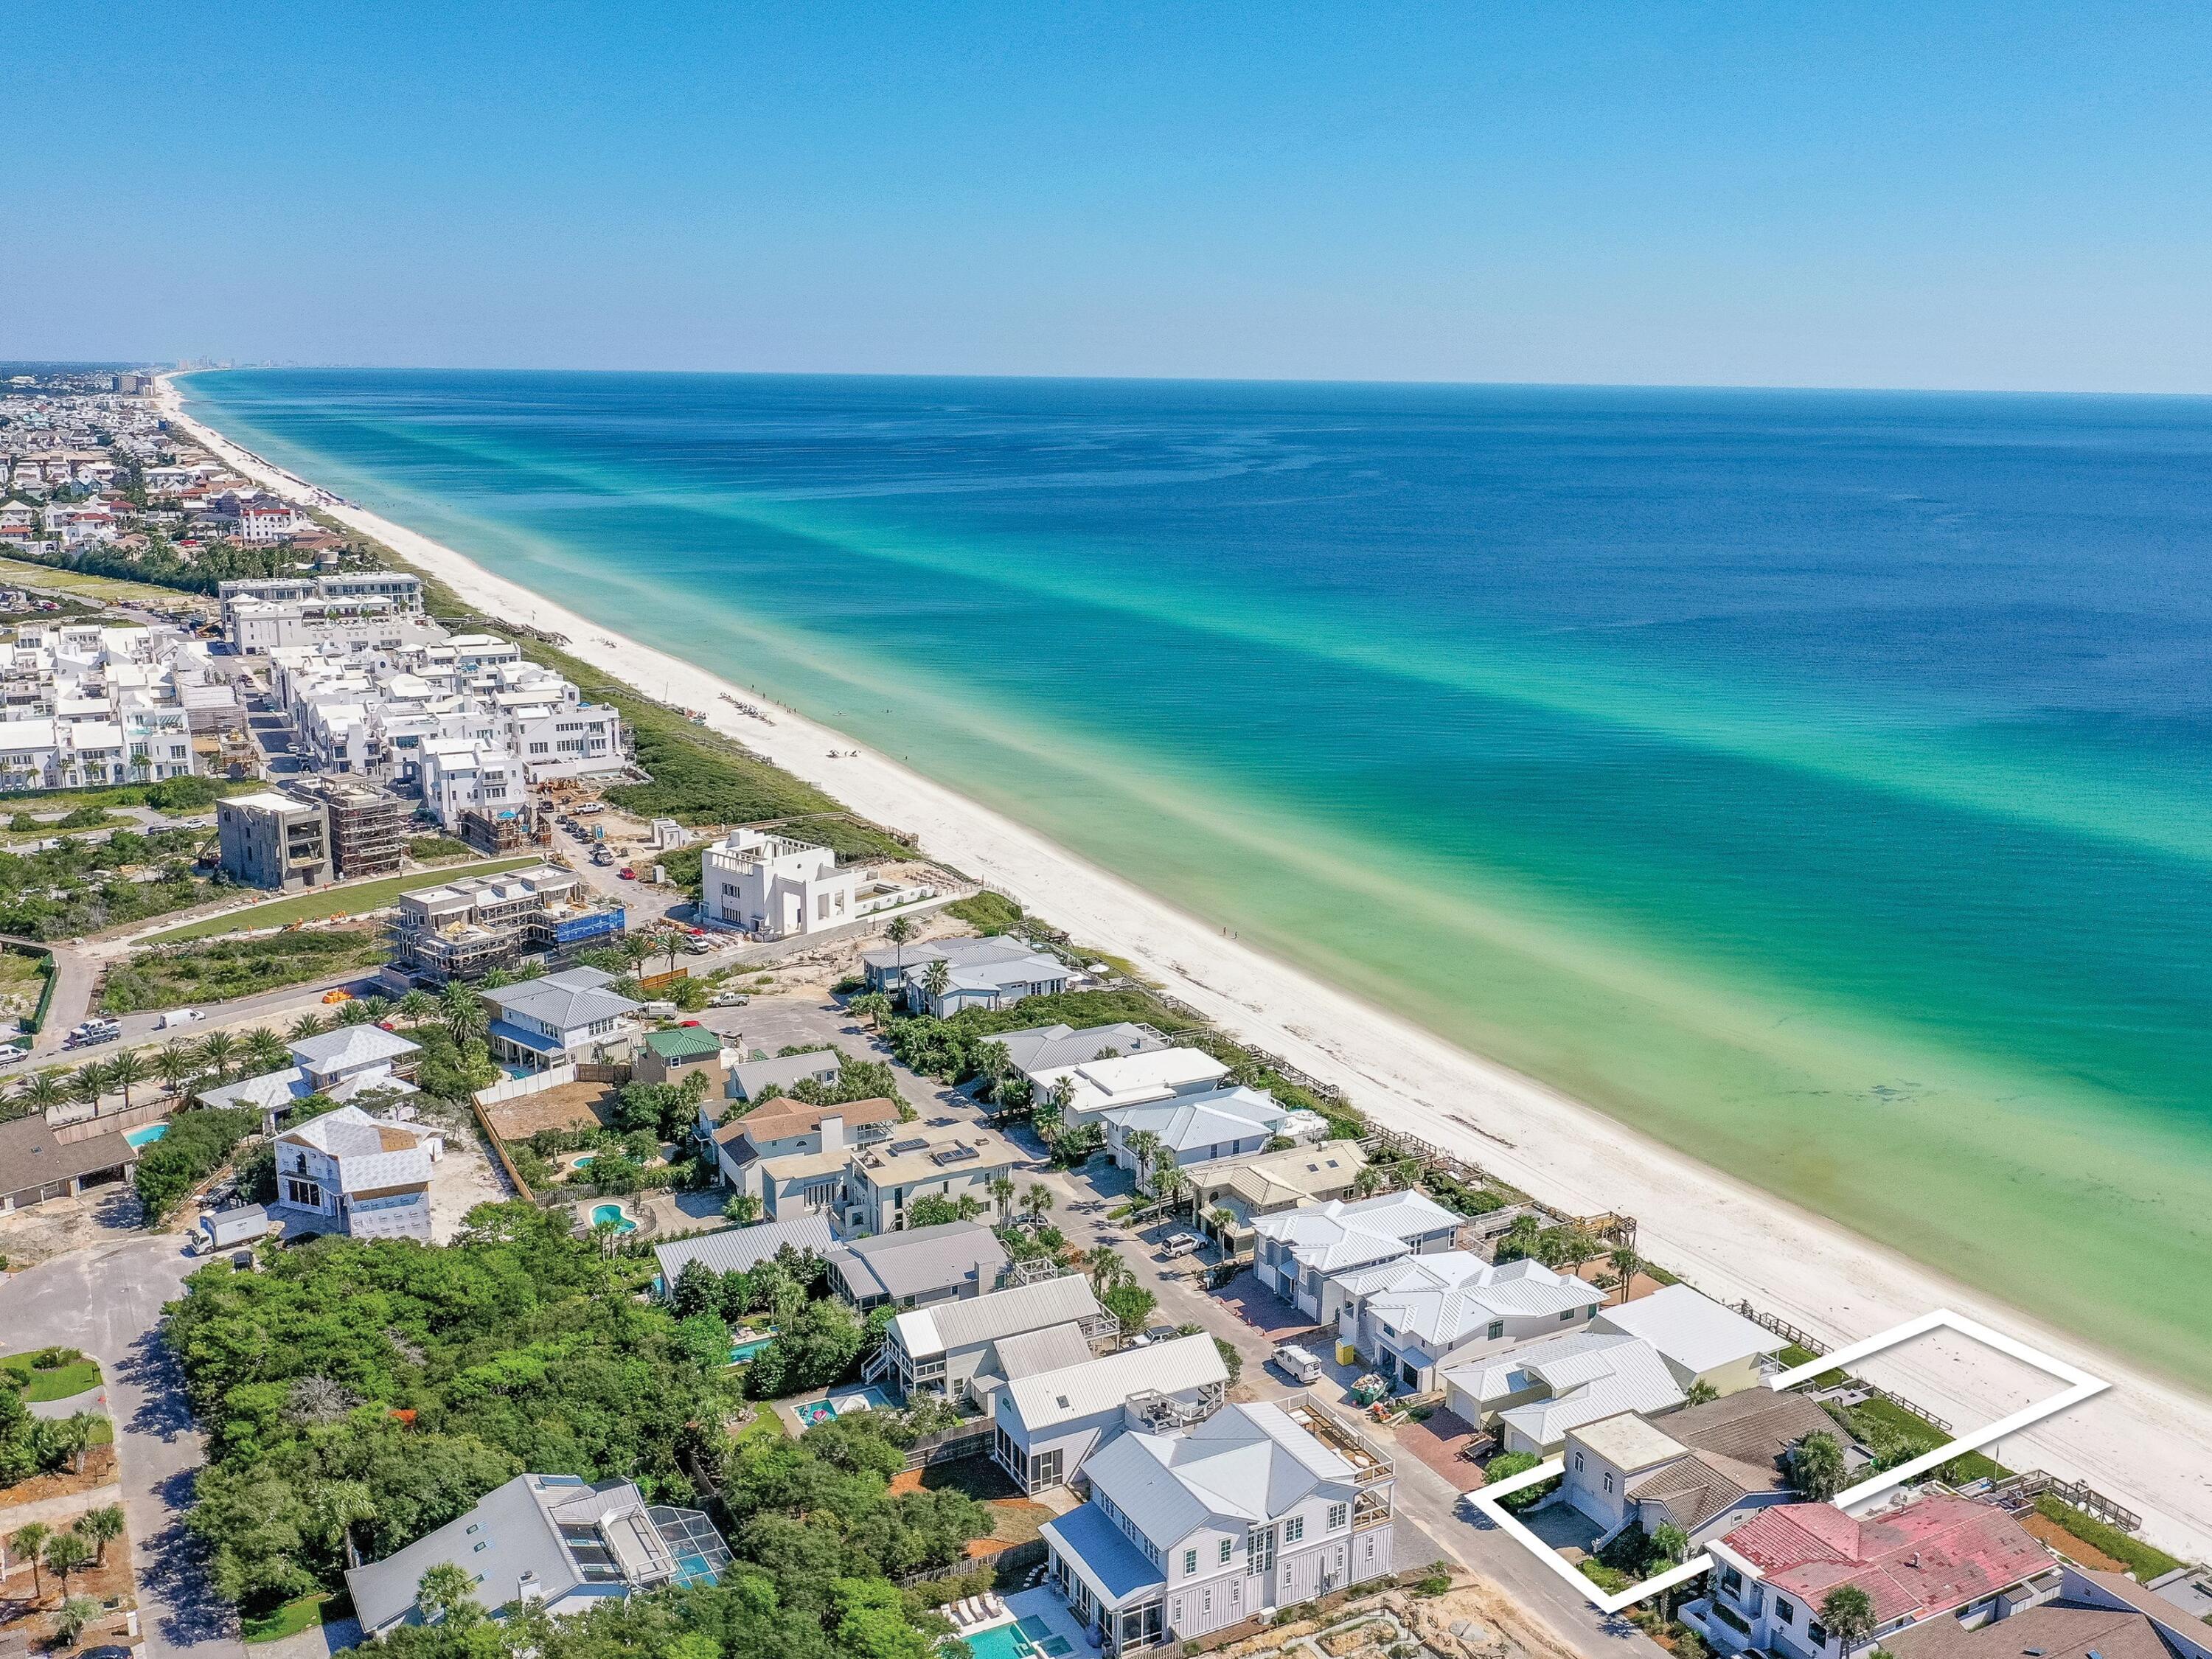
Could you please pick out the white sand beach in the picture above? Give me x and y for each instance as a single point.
(2146, 1442)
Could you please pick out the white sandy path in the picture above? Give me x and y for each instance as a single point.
(2146, 1444)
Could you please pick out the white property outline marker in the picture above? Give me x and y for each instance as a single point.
(2079, 1386)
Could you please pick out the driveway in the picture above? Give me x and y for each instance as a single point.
(107, 1301)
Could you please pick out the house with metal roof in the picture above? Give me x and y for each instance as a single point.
(1939, 1556)
(1040, 1051)
(794, 1155)
(1416, 1315)
(1205, 1127)
(1254, 1508)
(1300, 1251)
(995, 972)
(740, 1249)
(678, 1054)
(1095, 1085)
(1046, 1423)
(962, 1349)
(555, 1541)
(748, 1078)
(918, 1266)
(1532, 1394)
(558, 1019)
(363, 1062)
(1700, 1340)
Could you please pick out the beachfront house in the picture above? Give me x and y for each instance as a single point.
(980, 973)
(1204, 1128)
(2095, 1615)
(1701, 1341)
(955, 1160)
(953, 1349)
(560, 1019)
(1937, 1557)
(1705, 1468)
(919, 1266)
(1255, 1508)
(1098, 1087)
(776, 886)
(555, 1541)
(371, 1175)
(1270, 1184)
(1040, 1052)
(1530, 1395)
(1300, 1251)
(1044, 1424)
(1412, 1317)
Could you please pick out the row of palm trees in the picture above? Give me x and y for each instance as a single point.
(220, 1054)
(61, 1553)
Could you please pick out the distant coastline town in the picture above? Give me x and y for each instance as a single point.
(565, 1165)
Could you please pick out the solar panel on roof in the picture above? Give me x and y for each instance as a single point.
(957, 1155)
(909, 1145)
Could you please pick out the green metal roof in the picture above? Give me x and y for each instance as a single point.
(684, 1043)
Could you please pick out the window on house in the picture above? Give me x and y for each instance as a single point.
(1496, 1329)
(1817, 1633)
(1785, 1610)
(1336, 1517)
(1189, 1563)
(1578, 1463)
(1228, 1549)
(1567, 1315)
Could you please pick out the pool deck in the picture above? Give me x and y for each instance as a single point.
(842, 1400)
(1045, 1602)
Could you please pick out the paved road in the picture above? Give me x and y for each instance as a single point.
(107, 1301)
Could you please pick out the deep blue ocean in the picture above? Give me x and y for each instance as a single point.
(1817, 780)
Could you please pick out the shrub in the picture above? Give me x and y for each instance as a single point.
(193, 1149)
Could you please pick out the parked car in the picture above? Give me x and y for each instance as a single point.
(178, 1016)
(626, 874)
(728, 1000)
(697, 947)
(1181, 1244)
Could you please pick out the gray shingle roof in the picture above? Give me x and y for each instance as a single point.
(921, 1260)
(565, 1000)
(737, 1250)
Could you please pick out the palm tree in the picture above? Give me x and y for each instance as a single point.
(635, 950)
(1223, 1220)
(417, 1005)
(1816, 1466)
(66, 1553)
(101, 1525)
(175, 1063)
(380, 1008)
(88, 1082)
(443, 1591)
(42, 1092)
(72, 1439)
(1847, 1612)
(355, 1013)
(900, 931)
(463, 1014)
(1002, 1195)
(308, 1024)
(340, 1506)
(77, 1612)
(29, 1539)
(1142, 1145)
(264, 1049)
(1671, 1542)
(1169, 1183)
(937, 979)
(217, 1050)
(124, 1072)
(1037, 1202)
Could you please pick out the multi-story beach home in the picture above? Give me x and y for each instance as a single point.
(1531, 1393)
(1255, 1508)
(959, 1349)
(1701, 1341)
(464, 929)
(1269, 1183)
(981, 973)
(560, 1018)
(1096, 1087)
(954, 1160)
(777, 886)
(1045, 1424)
(1039, 1052)
(1705, 1468)
(793, 1156)
(370, 1174)
(1937, 1557)
(1413, 1316)
(1300, 1251)
(1204, 1128)
(354, 1063)
(950, 1261)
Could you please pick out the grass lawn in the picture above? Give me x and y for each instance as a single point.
(117, 795)
(217, 969)
(1878, 1416)
(430, 850)
(289, 1619)
(2141, 1559)
(58, 1383)
(765, 1425)
(22, 572)
(329, 901)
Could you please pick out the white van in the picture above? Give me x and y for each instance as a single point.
(177, 1016)
(1297, 1364)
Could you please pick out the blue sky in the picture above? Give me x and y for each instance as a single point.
(1953, 195)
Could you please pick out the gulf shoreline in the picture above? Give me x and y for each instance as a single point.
(2146, 1443)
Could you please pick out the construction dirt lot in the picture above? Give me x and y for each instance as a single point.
(564, 1106)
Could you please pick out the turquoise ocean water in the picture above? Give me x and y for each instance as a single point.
(1818, 782)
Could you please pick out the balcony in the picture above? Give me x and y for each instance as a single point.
(1369, 1467)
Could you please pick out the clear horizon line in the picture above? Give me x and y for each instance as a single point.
(1203, 379)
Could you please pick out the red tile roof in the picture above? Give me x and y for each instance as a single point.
(1927, 1556)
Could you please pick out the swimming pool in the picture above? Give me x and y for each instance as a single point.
(1023, 1639)
(146, 1136)
(604, 1213)
(741, 1351)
